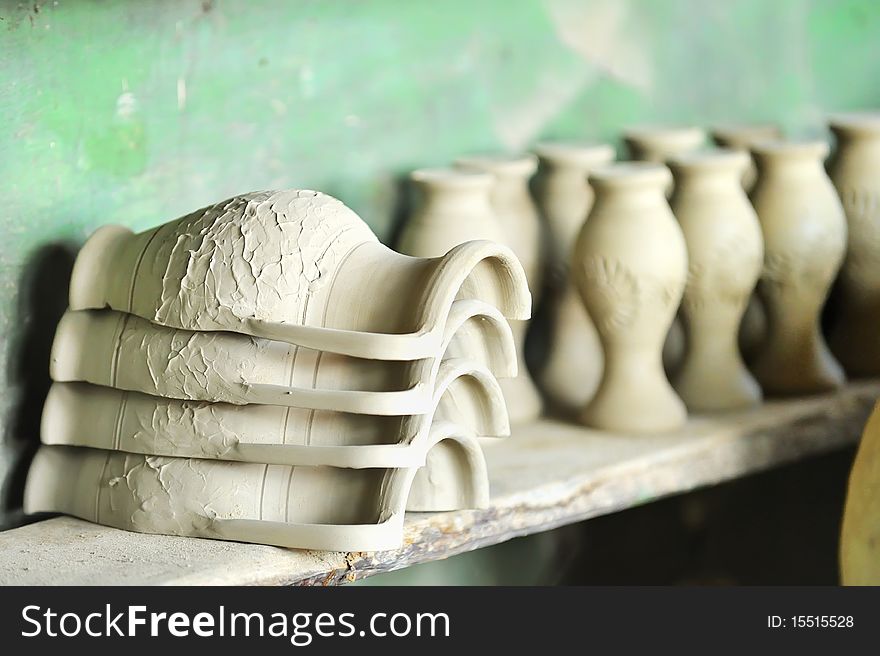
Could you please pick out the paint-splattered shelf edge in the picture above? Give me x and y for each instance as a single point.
(546, 475)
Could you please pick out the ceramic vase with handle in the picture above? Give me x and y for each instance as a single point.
(300, 507)
(571, 372)
(294, 266)
(725, 254)
(658, 144)
(630, 266)
(459, 205)
(804, 230)
(855, 171)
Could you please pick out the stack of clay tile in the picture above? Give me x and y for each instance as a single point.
(264, 370)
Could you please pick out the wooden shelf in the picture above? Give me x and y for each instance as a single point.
(547, 474)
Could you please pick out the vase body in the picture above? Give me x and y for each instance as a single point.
(804, 231)
(658, 144)
(458, 205)
(570, 375)
(725, 254)
(630, 266)
(855, 172)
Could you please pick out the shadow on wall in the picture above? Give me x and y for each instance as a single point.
(43, 290)
(402, 208)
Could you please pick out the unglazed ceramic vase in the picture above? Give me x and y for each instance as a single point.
(855, 171)
(293, 266)
(804, 231)
(303, 507)
(860, 532)
(753, 328)
(571, 373)
(126, 352)
(460, 205)
(725, 254)
(630, 265)
(658, 144)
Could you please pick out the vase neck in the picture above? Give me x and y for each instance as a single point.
(742, 137)
(856, 127)
(632, 182)
(709, 170)
(790, 158)
(450, 190)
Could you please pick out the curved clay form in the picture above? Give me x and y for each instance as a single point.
(293, 266)
(725, 254)
(127, 352)
(860, 531)
(80, 414)
(630, 266)
(323, 508)
(804, 230)
(854, 171)
(573, 368)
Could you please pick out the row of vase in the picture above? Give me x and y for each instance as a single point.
(264, 370)
(687, 279)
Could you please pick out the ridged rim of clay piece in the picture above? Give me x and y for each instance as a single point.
(861, 123)
(738, 136)
(452, 177)
(625, 174)
(451, 275)
(56, 427)
(791, 149)
(688, 136)
(716, 159)
(449, 278)
(415, 399)
(585, 154)
(386, 533)
(520, 165)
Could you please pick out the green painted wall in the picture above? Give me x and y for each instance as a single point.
(136, 112)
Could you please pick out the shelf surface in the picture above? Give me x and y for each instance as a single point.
(545, 475)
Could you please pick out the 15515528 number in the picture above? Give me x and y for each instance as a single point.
(810, 622)
(821, 621)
